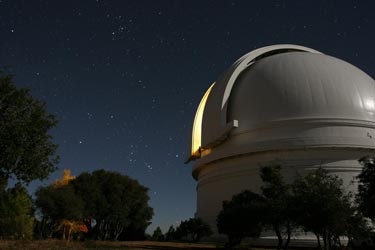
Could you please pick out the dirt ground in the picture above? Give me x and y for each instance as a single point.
(100, 245)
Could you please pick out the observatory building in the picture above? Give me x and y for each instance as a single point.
(284, 103)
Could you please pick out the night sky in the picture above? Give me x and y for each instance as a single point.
(125, 77)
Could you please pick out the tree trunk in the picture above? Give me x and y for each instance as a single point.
(339, 242)
(106, 231)
(349, 243)
(279, 237)
(17, 161)
(69, 232)
(102, 234)
(63, 236)
(326, 239)
(42, 228)
(119, 229)
(288, 239)
(318, 238)
(329, 241)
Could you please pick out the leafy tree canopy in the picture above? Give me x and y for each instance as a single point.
(278, 212)
(111, 205)
(16, 214)
(193, 230)
(59, 203)
(26, 149)
(366, 188)
(157, 235)
(316, 202)
(322, 206)
(241, 217)
(170, 235)
(118, 203)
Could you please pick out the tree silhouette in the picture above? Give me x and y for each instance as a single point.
(157, 235)
(170, 235)
(366, 188)
(278, 213)
(193, 230)
(16, 215)
(322, 206)
(26, 149)
(241, 217)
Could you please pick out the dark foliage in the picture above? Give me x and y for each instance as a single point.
(279, 210)
(16, 214)
(57, 203)
(26, 149)
(170, 235)
(192, 230)
(316, 202)
(157, 235)
(324, 208)
(366, 188)
(241, 217)
(111, 205)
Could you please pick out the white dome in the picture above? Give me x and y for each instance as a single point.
(300, 85)
(284, 87)
(283, 103)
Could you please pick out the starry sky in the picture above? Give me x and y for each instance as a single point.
(125, 77)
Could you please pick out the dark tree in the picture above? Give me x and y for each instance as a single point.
(366, 188)
(322, 206)
(241, 217)
(26, 149)
(278, 198)
(16, 214)
(110, 205)
(157, 235)
(170, 235)
(193, 230)
(357, 228)
(117, 203)
(58, 203)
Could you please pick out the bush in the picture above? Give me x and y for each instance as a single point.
(241, 217)
(193, 230)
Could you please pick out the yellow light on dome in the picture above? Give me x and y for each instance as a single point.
(197, 127)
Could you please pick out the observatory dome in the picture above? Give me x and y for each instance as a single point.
(299, 86)
(284, 86)
(287, 103)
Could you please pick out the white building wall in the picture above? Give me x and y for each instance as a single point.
(220, 180)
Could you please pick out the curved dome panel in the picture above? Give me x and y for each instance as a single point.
(196, 140)
(215, 122)
(298, 85)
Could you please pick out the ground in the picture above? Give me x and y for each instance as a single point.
(100, 245)
(116, 245)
